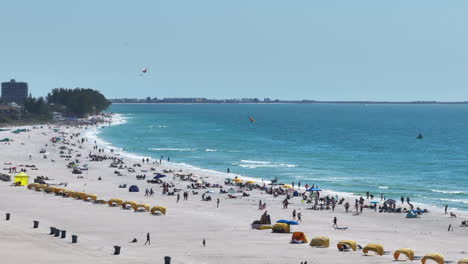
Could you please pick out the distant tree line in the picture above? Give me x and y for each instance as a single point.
(77, 102)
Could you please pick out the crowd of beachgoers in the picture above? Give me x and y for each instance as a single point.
(210, 218)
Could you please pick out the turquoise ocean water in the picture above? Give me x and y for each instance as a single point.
(350, 148)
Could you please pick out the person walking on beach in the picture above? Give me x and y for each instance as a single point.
(294, 214)
(402, 200)
(217, 203)
(178, 197)
(146, 192)
(335, 222)
(299, 217)
(407, 200)
(151, 192)
(148, 241)
(204, 242)
(446, 206)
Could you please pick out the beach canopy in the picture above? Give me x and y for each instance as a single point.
(349, 243)
(88, 196)
(439, 258)
(320, 241)
(115, 202)
(313, 190)
(377, 248)
(21, 179)
(411, 214)
(463, 261)
(141, 206)
(131, 203)
(299, 237)
(250, 182)
(287, 186)
(161, 209)
(133, 188)
(409, 253)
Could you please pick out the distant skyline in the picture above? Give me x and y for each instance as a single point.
(318, 50)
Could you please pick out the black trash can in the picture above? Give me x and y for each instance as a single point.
(52, 230)
(57, 232)
(74, 239)
(8, 216)
(167, 260)
(116, 250)
(36, 224)
(64, 234)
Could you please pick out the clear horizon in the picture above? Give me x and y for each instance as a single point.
(326, 51)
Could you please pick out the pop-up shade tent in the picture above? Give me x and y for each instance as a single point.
(21, 179)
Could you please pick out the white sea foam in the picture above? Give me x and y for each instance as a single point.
(465, 201)
(211, 150)
(383, 187)
(172, 149)
(450, 192)
(253, 164)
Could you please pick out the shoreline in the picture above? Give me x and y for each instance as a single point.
(94, 135)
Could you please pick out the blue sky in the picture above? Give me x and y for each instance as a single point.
(326, 50)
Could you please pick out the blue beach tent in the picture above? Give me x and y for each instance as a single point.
(133, 188)
(411, 214)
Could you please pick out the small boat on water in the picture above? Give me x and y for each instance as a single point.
(420, 136)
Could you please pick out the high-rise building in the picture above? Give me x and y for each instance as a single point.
(14, 91)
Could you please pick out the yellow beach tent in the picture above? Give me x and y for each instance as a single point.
(377, 248)
(21, 179)
(409, 253)
(320, 241)
(161, 209)
(463, 261)
(142, 206)
(349, 243)
(439, 258)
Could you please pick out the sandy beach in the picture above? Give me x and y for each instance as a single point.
(179, 234)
